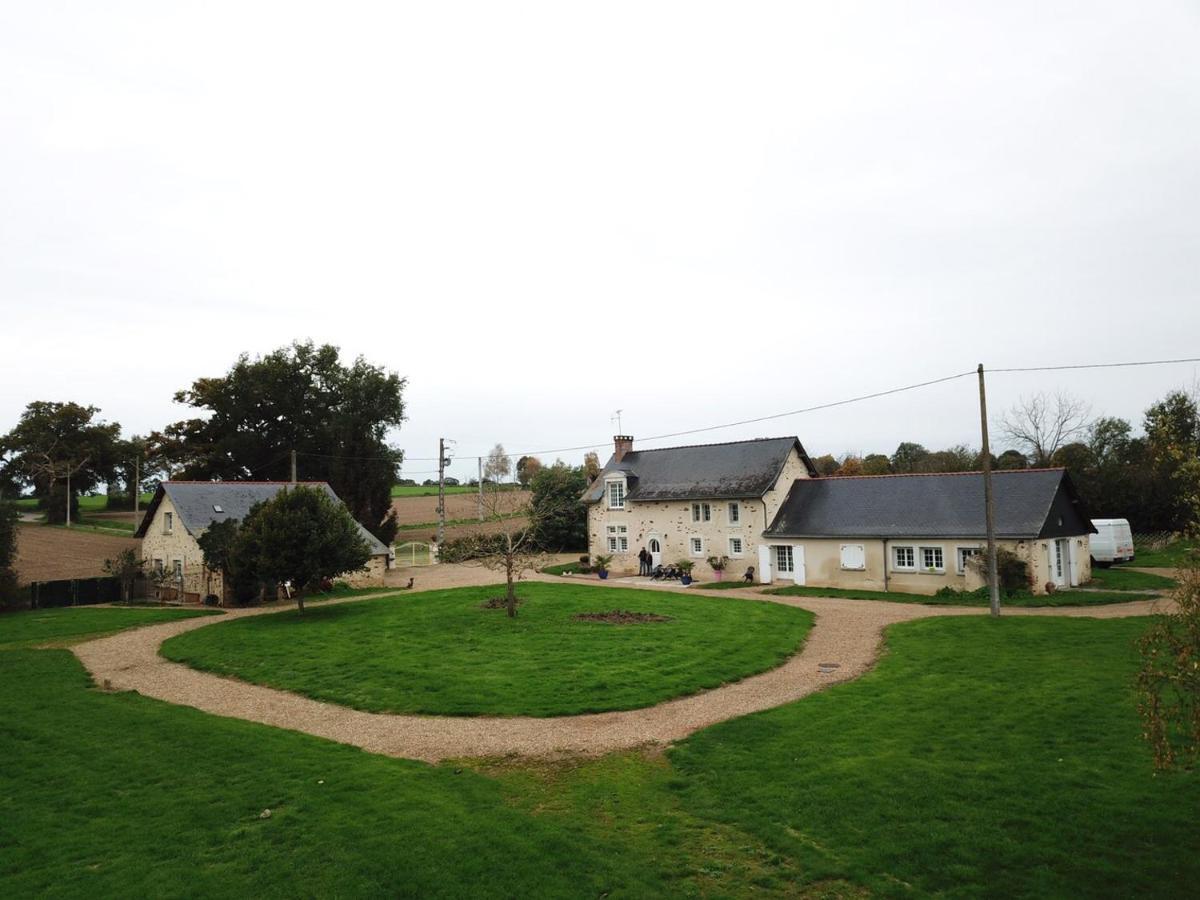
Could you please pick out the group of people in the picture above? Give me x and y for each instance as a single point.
(648, 569)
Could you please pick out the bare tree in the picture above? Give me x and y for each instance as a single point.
(1042, 423)
(497, 466)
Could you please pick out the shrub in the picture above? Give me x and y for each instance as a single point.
(1011, 571)
(8, 555)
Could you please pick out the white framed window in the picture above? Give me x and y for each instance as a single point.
(177, 568)
(616, 494)
(618, 538)
(168, 522)
(932, 560)
(696, 545)
(735, 546)
(735, 513)
(783, 559)
(701, 512)
(158, 566)
(854, 557)
(965, 555)
(904, 559)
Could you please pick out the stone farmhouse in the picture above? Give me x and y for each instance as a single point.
(762, 504)
(181, 511)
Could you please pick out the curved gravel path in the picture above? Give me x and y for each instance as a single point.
(847, 633)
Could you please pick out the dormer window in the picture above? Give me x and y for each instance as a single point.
(616, 494)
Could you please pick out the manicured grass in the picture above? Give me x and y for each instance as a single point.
(1170, 556)
(980, 758)
(44, 626)
(1115, 579)
(441, 653)
(96, 503)
(571, 568)
(727, 585)
(1061, 598)
(116, 795)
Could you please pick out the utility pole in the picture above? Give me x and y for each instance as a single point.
(293, 465)
(68, 519)
(137, 482)
(441, 507)
(480, 488)
(989, 504)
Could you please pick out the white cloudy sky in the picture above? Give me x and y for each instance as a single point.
(540, 213)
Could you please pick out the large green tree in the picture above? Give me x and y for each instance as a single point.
(303, 398)
(56, 442)
(302, 536)
(556, 511)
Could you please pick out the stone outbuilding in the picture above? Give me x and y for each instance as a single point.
(181, 511)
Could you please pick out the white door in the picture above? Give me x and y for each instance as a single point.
(789, 562)
(655, 552)
(1058, 562)
(764, 564)
(798, 564)
(1073, 562)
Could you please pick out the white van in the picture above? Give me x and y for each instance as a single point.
(1112, 542)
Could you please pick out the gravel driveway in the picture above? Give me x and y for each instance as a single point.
(847, 633)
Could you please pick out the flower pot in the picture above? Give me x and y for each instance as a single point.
(685, 580)
(718, 574)
(603, 573)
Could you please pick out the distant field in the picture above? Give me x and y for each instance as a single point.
(421, 509)
(48, 554)
(97, 503)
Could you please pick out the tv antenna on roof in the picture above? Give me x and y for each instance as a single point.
(616, 417)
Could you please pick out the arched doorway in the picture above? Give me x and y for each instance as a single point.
(655, 552)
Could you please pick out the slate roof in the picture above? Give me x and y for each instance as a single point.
(919, 506)
(196, 504)
(735, 470)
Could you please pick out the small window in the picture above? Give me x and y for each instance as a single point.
(616, 495)
(697, 546)
(218, 508)
(158, 566)
(965, 555)
(735, 546)
(701, 512)
(735, 513)
(618, 539)
(931, 560)
(177, 568)
(854, 557)
(783, 559)
(904, 559)
(168, 522)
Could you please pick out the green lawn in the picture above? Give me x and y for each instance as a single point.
(1167, 556)
(979, 758)
(982, 757)
(43, 626)
(87, 504)
(1115, 579)
(1061, 598)
(441, 653)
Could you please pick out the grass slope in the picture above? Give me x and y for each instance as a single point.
(440, 653)
(1114, 579)
(117, 795)
(44, 626)
(1061, 598)
(982, 757)
(1159, 556)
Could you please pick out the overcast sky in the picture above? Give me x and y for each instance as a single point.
(538, 214)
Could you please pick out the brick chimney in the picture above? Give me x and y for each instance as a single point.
(622, 444)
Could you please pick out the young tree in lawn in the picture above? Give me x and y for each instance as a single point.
(1040, 424)
(126, 566)
(302, 536)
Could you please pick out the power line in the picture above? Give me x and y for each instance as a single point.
(795, 412)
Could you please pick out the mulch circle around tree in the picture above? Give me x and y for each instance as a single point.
(621, 617)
